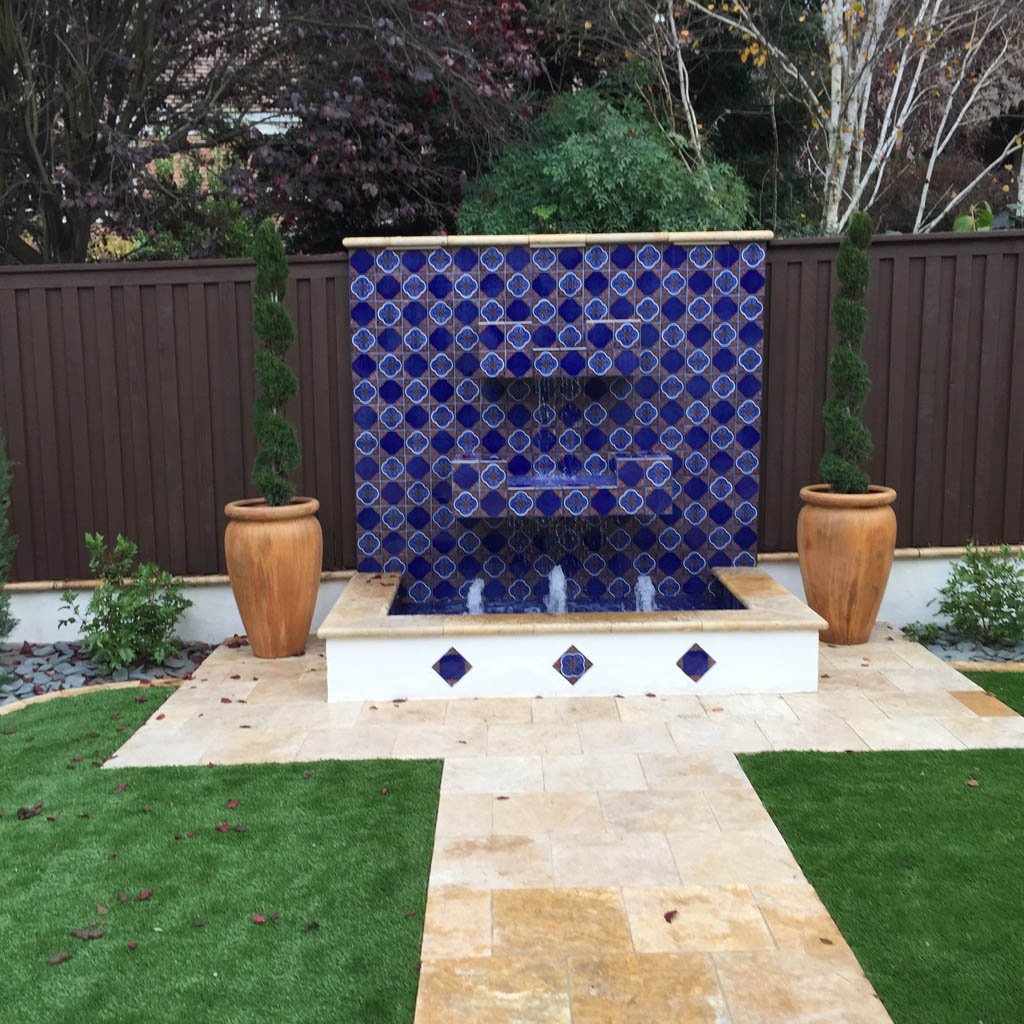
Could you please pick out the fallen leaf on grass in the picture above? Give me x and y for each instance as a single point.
(141, 699)
(59, 958)
(133, 945)
(231, 804)
(121, 788)
(24, 813)
(312, 926)
(123, 896)
(10, 732)
(973, 783)
(384, 790)
(670, 916)
(147, 810)
(410, 913)
(307, 775)
(223, 827)
(144, 894)
(102, 910)
(258, 919)
(198, 924)
(240, 828)
(87, 934)
(52, 817)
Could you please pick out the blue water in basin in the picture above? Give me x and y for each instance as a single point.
(682, 602)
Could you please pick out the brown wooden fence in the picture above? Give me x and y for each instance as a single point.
(126, 392)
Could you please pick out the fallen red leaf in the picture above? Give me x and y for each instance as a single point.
(24, 813)
(101, 910)
(274, 917)
(258, 919)
(133, 945)
(144, 894)
(501, 798)
(312, 926)
(307, 775)
(160, 717)
(240, 828)
(123, 896)
(232, 804)
(225, 700)
(141, 699)
(223, 827)
(236, 676)
(671, 915)
(650, 695)
(121, 788)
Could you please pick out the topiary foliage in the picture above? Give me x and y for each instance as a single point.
(850, 440)
(8, 542)
(278, 452)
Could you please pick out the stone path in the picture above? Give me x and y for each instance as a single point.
(602, 860)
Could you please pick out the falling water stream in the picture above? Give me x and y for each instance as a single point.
(556, 601)
(475, 598)
(645, 594)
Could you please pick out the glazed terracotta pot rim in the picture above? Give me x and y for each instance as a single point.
(821, 495)
(257, 509)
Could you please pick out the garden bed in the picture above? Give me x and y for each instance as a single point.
(34, 669)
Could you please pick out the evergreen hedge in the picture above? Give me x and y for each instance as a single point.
(850, 444)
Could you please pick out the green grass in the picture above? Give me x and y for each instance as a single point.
(923, 874)
(347, 847)
(1007, 686)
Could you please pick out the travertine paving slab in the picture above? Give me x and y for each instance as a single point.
(669, 988)
(568, 828)
(794, 988)
(493, 990)
(695, 918)
(605, 859)
(560, 922)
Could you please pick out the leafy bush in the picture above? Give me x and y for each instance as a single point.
(595, 168)
(923, 632)
(132, 614)
(8, 542)
(851, 444)
(984, 596)
(279, 452)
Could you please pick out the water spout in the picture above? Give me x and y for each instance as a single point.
(645, 594)
(475, 598)
(556, 601)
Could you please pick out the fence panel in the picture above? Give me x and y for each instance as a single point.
(126, 394)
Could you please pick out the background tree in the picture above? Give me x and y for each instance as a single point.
(92, 91)
(888, 85)
(389, 107)
(591, 167)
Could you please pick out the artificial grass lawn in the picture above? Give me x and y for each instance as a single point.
(1007, 686)
(923, 873)
(347, 847)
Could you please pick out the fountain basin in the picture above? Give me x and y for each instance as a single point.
(769, 644)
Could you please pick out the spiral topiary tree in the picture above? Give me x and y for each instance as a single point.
(850, 444)
(278, 452)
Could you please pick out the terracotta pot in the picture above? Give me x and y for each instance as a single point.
(274, 556)
(846, 544)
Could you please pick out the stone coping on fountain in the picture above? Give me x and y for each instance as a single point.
(554, 240)
(363, 610)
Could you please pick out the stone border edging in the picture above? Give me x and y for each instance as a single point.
(213, 580)
(554, 240)
(128, 684)
(987, 666)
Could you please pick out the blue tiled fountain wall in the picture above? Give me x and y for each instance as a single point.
(596, 407)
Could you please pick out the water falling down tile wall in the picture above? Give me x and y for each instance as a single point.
(519, 407)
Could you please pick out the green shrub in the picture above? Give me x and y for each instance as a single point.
(923, 632)
(593, 167)
(984, 596)
(278, 445)
(132, 614)
(8, 542)
(850, 440)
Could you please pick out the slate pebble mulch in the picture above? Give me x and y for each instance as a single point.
(953, 647)
(36, 669)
